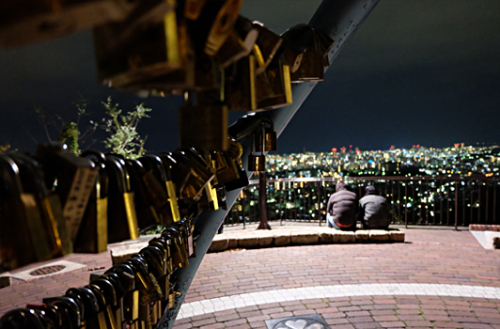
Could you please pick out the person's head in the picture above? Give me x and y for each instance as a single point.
(340, 186)
(370, 189)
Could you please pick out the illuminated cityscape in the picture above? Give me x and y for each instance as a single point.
(417, 161)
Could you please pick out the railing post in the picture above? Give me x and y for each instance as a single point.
(487, 199)
(318, 185)
(495, 183)
(456, 206)
(406, 204)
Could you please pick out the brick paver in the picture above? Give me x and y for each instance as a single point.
(428, 256)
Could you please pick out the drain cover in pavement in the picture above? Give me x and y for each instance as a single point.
(314, 321)
(53, 268)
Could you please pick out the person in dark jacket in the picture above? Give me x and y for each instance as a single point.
(342, 207)
(373, 210)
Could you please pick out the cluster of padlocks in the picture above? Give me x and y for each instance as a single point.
(58, 203)
(133, 294)
(204, 49)
(54, 203)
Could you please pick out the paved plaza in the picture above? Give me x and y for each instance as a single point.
(437, 278)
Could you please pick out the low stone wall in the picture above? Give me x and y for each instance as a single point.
(262, 238)
(293, 236)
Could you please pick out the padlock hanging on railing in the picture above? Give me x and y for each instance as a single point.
(262, 140)
(75, 177)
(92, 235)
(122, 216)
(238, 44)
(240, 85)
(305, 50)
(203, 126)
(19, 214)
(127, 57)
(27, 21)
(266, 47)
(273, 86)
(210, 23)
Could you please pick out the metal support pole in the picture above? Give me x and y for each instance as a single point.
(337, 18)
(406, 204)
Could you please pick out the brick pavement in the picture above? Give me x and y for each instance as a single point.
(428, 256)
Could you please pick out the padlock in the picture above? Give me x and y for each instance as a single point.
(203, 127)
(50, 316)
(129, 300)
(33, 181)
(258, 162)
(238, 44)
(92, 236)
(267, 45)
(106, 295)
(71, 307)
(274, 88)
(179, 253)
(147, 215)
(94, 315)
(19, 214)
(27, 21)
(193, 8)
(122, 215)
(126, 56)
(178, 81)
(157, 185)
(270, 143)
(75, 181)
(240, 85)
(190, 174)
(21, 318)
(311, 48)
(214, 23)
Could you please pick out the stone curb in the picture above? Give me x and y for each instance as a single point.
(319, 235)
(264, 239)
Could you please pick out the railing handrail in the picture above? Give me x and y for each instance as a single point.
(370, 178)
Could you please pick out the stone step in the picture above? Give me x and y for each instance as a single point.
(320, 235)
(276, 238)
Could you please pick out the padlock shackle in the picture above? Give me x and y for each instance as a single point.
(116, 167)
(28, 316)
(155, 164)
(247, 125)
(10, 180)
(31, 175)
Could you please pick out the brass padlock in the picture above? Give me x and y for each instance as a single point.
(126, 57)
(122, 216)
(213, 24)
(311, 47)
(203, 127)
(26, 21)
(92, 236)
(257, 163)
(266, 47)
(270, 143)
(147, 216)
(75, 181)
(159, 183)
(240, 85)
(33, 181)
(274, 87)
(22, 237)
(238, 44)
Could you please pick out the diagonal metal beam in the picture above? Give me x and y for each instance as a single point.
(337, 18)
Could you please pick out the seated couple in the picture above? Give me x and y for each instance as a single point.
(343, 209)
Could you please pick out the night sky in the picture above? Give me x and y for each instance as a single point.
(416, 72)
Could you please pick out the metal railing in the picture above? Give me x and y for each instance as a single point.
(428, 200)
